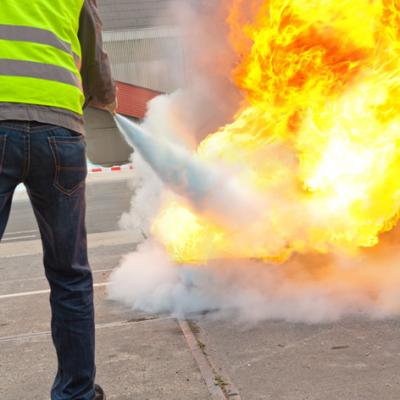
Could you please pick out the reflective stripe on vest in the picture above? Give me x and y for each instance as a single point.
(36, 35)
(40, 53)
(30, 69)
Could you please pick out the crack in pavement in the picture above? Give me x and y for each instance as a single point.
(218, 383)
(26, 337)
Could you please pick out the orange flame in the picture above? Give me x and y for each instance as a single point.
(317, 135)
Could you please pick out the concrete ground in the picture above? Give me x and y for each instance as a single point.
(154, 357)
(348, 360)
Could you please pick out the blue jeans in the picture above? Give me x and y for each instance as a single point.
(51, 162)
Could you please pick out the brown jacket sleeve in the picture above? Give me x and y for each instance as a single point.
(98, 85)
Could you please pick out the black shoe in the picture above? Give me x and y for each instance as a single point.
(100, 395)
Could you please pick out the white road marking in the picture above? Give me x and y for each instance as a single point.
(19, 238)
(41, 278)
(20, 232)
(36, 292)
(107, 325)
(102, 270)
(95, 240)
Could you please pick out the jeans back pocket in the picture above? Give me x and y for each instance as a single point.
(70, 162)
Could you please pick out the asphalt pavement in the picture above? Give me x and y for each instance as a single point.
(157, 357)
(139, 356)
(108, 195)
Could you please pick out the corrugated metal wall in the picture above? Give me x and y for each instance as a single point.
(145, 46)
(145, 50)
(153, 58)
(126, 14)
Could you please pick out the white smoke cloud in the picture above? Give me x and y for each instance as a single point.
(251, 291)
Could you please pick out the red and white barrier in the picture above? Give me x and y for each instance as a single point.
(126, 167)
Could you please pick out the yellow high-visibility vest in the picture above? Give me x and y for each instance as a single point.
(40, 53)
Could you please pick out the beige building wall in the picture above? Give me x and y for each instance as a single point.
(105, 145)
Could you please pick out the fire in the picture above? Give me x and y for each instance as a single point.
(318, 134)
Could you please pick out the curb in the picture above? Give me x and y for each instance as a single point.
(218, 383)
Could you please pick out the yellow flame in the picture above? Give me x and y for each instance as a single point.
(318, 134)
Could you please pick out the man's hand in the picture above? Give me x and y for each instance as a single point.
(112, 107)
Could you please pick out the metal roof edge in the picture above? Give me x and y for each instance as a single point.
(142, 33)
